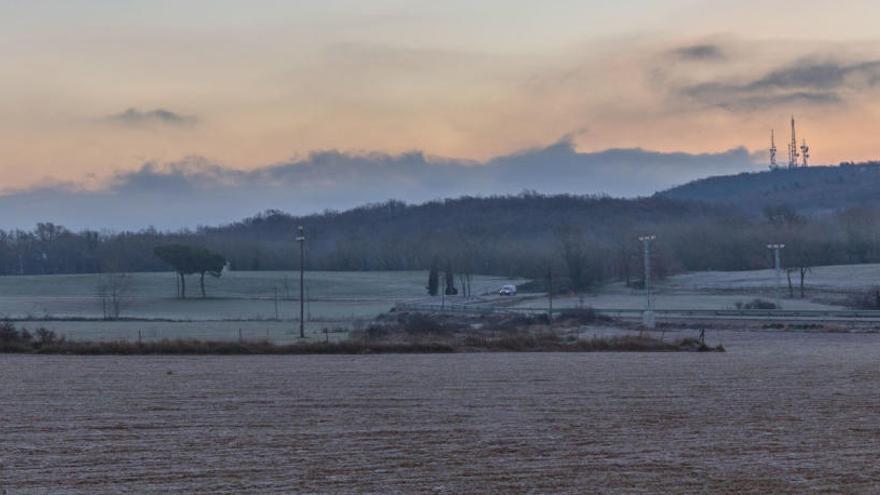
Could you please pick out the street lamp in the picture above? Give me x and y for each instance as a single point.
(301, 239)
(648, 315)
(777, 263)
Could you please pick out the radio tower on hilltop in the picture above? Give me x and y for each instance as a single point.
(793, 154)
(805, 152)
(773, 164)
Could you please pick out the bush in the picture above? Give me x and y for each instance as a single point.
(375, 332)
(8, 333)
(869, 299)
(756, 304)
(514, 323)
(422, 324)
(583, 316)
(45, 337)
(14, 340)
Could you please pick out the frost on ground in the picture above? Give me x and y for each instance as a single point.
(780, 412)
(838, 277)
(235, 295)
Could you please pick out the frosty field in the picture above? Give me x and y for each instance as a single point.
(244, 303)
(237, 300)
(826, 287)
(778, 413)
(821, 278)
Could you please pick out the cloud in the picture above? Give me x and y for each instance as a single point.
(700, 52)
(804, 82)
(737, 98)
(197, 192)
(160, 116)
(822, 75)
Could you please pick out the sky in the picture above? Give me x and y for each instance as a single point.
(94, 91)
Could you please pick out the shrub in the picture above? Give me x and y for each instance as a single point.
(45, 337)
(756, 304)
(869, 299)
(421, 324)
(375, 332)
(13, 340)
(583, 316)
(8, 333)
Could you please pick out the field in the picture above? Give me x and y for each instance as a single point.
(826, 288)
(820, 278)
(238, 301)
(243, 304)
(778, 413)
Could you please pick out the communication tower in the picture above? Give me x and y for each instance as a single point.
(805, 153)
(793, 154)
(773, 150)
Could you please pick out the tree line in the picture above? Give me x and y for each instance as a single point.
(586, 240)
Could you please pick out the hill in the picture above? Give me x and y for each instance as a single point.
(808, 190)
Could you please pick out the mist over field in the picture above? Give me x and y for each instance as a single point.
(196, 191)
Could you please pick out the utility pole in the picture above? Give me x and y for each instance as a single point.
(550, 294)
(777, 263)
(301, 239)
(648, 315)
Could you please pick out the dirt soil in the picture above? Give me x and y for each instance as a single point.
(780, 412)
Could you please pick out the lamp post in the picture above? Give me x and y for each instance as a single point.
(648, 315)
(301, 239)
(777, 264)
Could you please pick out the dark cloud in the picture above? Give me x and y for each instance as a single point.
(824, 75)
(198, 192)
(709, 52)
(159, 116)
(732, 97)
(802, 82)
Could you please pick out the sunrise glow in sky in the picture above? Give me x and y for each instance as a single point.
(93, 87)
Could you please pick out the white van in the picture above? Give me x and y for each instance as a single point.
(507, 290)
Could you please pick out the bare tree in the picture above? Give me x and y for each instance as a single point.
(581, 259)
(467, 249)
(114, 294)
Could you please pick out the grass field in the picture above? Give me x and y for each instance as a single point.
(243, 301)
(820, 278)
(826, 288)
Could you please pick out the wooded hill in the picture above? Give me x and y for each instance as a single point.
(826, 215)
(809, 190)
(512, 235)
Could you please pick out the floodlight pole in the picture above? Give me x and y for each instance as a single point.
(550, 295)
(648, 315)
(301, 239)
(777, 264)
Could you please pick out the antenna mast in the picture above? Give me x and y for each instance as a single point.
(793, 147)
(773, 164)
(805, 153)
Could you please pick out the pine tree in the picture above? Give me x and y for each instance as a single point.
(434, 278)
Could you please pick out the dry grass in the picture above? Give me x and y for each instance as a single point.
(412, 334)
